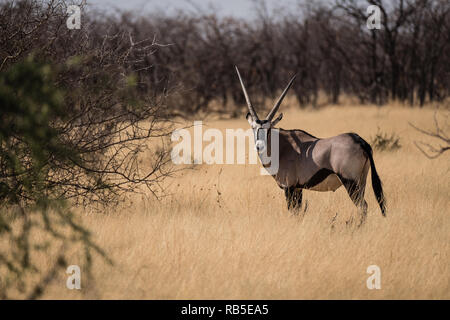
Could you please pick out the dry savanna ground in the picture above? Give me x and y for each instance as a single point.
(224, 232)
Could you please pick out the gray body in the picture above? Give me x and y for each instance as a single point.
(308, 162)
(318, 164)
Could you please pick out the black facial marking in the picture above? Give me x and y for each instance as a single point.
(261, 122)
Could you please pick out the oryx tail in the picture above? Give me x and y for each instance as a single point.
(377, 187)
(376, 182)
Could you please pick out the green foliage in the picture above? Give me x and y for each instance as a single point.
(30, 105)
(28, 102)
(385, 142)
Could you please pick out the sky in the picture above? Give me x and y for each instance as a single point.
(235, 8)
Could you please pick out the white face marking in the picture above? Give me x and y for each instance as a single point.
(266, 125)
(260, 133)
(261, 137)
(260, 146)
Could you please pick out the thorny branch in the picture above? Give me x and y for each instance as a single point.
(432, 151)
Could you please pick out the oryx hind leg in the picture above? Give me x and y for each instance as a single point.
(355, 184)
(294, 197)
(355, 190)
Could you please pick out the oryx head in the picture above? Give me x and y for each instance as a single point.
(261, 128)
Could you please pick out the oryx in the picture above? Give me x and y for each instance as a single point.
(308, 162)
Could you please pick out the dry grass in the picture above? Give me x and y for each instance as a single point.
(225, 232)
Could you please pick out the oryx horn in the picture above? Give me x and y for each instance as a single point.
(280, 99)
(249, 104)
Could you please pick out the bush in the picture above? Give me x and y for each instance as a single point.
(29, 144)
(74, 121)
(385, 142)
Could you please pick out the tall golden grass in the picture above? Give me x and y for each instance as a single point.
(224, 232)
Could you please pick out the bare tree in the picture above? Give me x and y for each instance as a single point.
(77, 123)
(110, 113)
(440, 132)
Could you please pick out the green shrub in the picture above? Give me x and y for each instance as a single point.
(29, 104)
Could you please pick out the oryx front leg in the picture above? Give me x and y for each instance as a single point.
(294, 197)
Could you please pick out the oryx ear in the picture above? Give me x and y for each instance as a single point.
(249, 118)
(274, 122)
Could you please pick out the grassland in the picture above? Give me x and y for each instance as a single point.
(224, 231)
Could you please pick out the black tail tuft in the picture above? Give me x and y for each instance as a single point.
(377, 187)
(376, 182)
